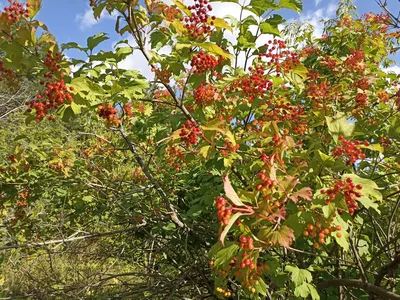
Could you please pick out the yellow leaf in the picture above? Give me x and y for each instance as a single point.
(34, 7)
(204, 151)
(220, 23)
(182, 7)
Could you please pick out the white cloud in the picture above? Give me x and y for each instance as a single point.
(394, 69)
(137, 61)
(317, 18)
(317, 2)
(87, 20)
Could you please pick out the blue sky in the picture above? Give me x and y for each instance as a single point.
(72, 20)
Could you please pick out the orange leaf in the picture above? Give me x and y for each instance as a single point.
(230, 192)
(305, 193)
(228, 226)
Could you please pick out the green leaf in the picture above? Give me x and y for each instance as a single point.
(95, 40)
(267, 28)
(72, 45)
(295, 5)
(394, 130)
(98, 9)
(87, 89)
(261, 287)
(226, 254)
(76, 108)
(228, 227)
(343, 240)
(368, 203)
(306, 289)
(169, 226)
(259, 7)
(158, 40)
(298, 276)
(34, 7)
(338, 125)
(270, 25)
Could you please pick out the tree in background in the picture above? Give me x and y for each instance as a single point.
(271, 177)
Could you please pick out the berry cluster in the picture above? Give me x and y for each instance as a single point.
(320, 231)
(385, 142)
(348, 189)
(138, 175)
(363, 83)
(203, 62)
(175, 157)
(6, 74)
(128, 110)
(161, 94)
(282, 111)
(229, 148)
(350, 149)
(309, 50)
(224, 210)
(171, 13)
(54, 95)
(266, 185)
(253, 85)
(329, 63)
(55, 91)
(248, 271)
(361, 100)
(162, 75)
(23, 195)
(197, 24)
(319, 93)
(15, 11)
(225, 293)
(205, 95)
(354, 62)
(246, 262)
(109, 113)
(279, 57)
(52, 63)
(189, 133)
(383, 96)
(246, 242)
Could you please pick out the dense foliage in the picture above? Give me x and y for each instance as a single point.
(241, 171)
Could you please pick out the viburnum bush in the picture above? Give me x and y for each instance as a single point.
(282, 167)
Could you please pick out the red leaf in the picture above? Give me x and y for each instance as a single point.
(279, 213)
(230, 192)
(305, 193)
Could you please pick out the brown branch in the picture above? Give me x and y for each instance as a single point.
(131, 19)
(132, 147)
(358, 260)
(386, 269)
(358, 284)
(71, 239)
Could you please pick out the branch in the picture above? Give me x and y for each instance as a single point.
(146, 171)
(386, 269)
(71, 239)
(358, 284)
